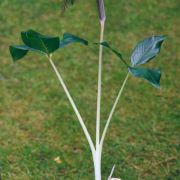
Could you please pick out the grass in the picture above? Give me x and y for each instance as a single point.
(37, 124)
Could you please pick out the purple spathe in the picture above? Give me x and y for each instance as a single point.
(101, 9)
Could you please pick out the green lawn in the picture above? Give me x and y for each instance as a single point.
(37, 124)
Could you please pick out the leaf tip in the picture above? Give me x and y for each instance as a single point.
(147, 49)
(11, 52)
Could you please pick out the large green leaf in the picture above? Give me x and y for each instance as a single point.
(69, 38)
(146, 50)
(37, 42)
(151, 75)
(106, 44)
(40, 42)
(18, 52)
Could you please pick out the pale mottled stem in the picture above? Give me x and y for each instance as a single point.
(74, 106)
(112, 112)
(112, 171)
(99, 88)
(97, 160)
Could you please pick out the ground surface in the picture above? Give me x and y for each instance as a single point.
(37, 123)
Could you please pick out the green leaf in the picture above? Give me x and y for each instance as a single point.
(105, 44)
(69, 38)
(40, 42)
(151, 75)
(146, 50)
(17, 52)
(37, 42)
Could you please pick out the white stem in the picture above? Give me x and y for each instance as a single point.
(97, 160)
(99, 87)
(112, 171)
(74, 107)
(97, 165)
(111, 113)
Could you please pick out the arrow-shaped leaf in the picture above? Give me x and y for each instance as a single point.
(18, 52)
(40, 42)
(69, 38)
(146, 50)
(106, 44)
(37, 42)
(151, 75)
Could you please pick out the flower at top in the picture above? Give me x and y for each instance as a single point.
(101, 9)
(100, 4)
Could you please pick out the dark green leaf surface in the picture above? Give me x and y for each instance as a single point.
(69, 38)
(18, 52)
(151, 75)
(40, 42)
(37, 42)
(105, 44)
(146, 50)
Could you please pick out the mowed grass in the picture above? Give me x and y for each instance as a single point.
(37, 123)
